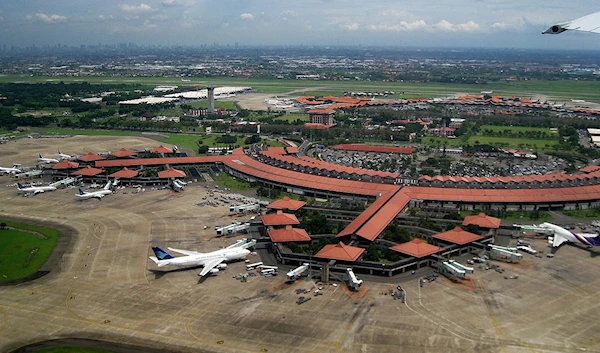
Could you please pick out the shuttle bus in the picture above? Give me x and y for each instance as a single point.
(253, 266)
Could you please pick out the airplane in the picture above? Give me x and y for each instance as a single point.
(185, 80)
(589, 23)
(34, 189)
(178, 185)
(12, 170)
(212, 261)
(561, 235)
(63, 156)
(46, 160)
(95, 194)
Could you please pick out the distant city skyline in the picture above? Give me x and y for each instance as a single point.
(440, 23)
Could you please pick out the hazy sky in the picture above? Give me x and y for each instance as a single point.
(450, 23)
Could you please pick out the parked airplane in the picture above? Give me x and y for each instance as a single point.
(34, 189)
(46, 160)
(63, 156)
(13, 170)
(589, 23)
(212, 261)
(96, 194)
(562, 235)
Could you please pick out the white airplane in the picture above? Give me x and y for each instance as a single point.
(13, 170)
(95, 194)
(185, 80)
(34, 189)
(178, 185)
(212, 261)
(46, 160)
(561, 235)
(63, 156)
(589, 23)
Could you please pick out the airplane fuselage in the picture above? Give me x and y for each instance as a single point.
(201, 259)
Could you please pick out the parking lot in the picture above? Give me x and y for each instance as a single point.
(103, 286)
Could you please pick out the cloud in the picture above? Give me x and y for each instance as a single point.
(400, 27)
(247, 17)
(499, 25)
(351, 27)
(47, 18)
(171, 3)
(442, 26)
(141, 8)
(289, 13)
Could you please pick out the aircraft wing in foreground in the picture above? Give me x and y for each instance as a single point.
(562, 235)
(589, 23)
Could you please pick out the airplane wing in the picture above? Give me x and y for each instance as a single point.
(185, 252)
(558, 240)
(589, 23)
(210, 265)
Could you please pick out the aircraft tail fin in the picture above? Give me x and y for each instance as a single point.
(81, 192)
(107, 186)
(19, 186)
(40, 155)
(161, 254)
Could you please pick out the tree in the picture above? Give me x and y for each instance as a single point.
(2, 225)
(203, 149)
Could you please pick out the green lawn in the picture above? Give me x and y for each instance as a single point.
(512, 142)
(293, 117)
(225, 180)
(62, 131)
(566, 89)
(592, 213)
(23, 253)
(517, 129)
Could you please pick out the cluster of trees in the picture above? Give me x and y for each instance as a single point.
(10, 122)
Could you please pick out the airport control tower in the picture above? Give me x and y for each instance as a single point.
(211, 99)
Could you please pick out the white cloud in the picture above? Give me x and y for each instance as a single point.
(400, 27)
(171, 3)
(47, 18)
(247, 17)
(308, 26)
(499, 25)
(141, 8)
(351, 27)
(446, 26)
(289, 13)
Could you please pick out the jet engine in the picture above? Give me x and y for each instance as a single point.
(222, 266)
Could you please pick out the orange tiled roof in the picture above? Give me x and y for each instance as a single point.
(340, 251)
(90, 157)
(123, 152)
(286, 203)
(125, 173)
(328, 110)
(482, 220)
(416, 248)
(88, 171)
(279, 219)
(288, 234)
(590, 169)
(161, 149)
(458, 236)
(65, 164)
(171, 173)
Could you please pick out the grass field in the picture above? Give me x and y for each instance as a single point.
(293, 117)
(22, 253)
(225, 180)
(511, 142)
(517, 129)
(571, 89)
(592, 213)
(61, 131)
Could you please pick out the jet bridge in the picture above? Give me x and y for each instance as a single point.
(503, 253)
(446, 268)
(467, 269)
